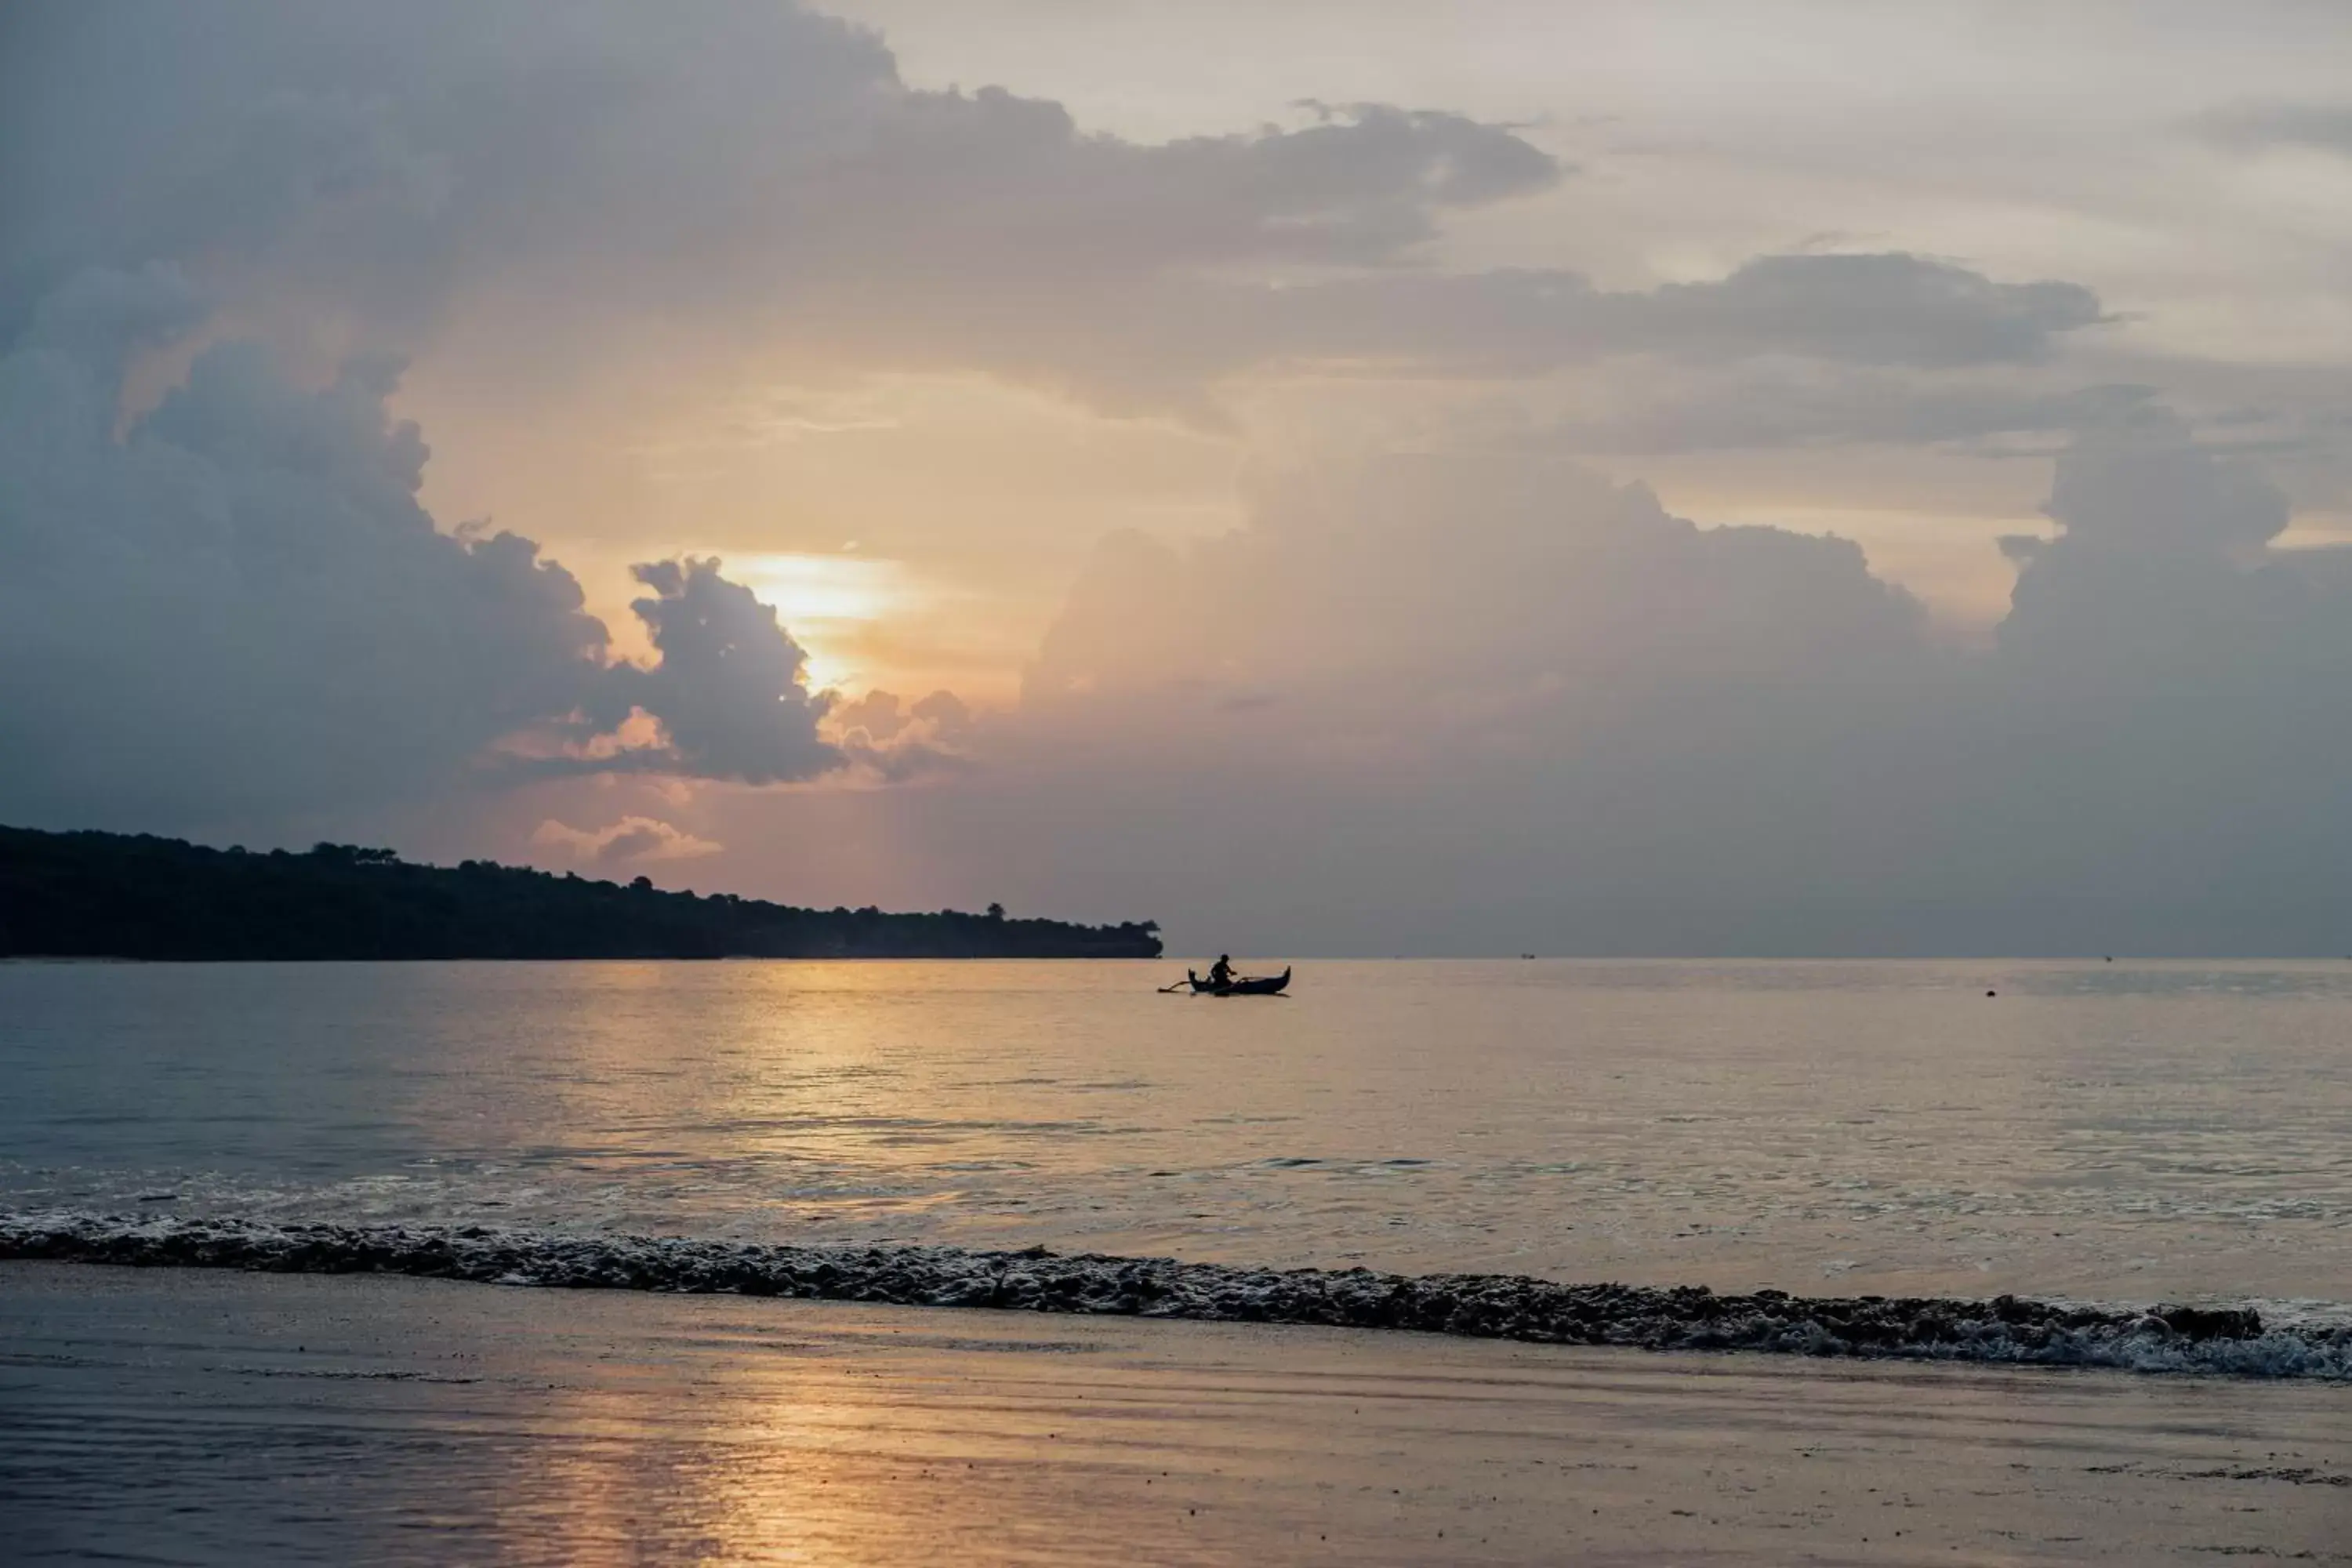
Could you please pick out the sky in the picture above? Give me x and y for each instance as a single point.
(1764, 478)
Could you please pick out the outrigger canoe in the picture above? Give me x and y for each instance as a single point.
(1262, 985)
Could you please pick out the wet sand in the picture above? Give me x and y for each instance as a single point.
(204, 1417)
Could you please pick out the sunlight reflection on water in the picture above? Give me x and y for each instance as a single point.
(2105, 1130)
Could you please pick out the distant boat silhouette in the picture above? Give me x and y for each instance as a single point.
(1259, 986)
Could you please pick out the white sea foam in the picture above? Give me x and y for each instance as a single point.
(2232, 1341)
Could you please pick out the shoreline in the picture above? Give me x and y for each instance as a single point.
(213, 1416)
(2230, 1342)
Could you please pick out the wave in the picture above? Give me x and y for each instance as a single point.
(2006, 1330)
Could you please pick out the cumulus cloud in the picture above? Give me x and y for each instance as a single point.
(731, 692)
(1417, 579)
(1497, 702)
(2147, 484)
(2160, 584)
(237, 606)
(239, 602)
(633, 840)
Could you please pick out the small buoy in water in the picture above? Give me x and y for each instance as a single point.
(1992, 993)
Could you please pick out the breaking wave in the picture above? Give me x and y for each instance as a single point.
(2008, 1329)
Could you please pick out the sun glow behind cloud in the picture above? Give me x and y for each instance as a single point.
(829, 603)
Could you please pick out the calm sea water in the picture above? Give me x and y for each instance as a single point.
(2103, 1132)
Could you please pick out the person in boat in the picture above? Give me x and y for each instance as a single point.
(1221, 973)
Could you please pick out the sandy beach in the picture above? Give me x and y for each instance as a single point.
(202, 1416)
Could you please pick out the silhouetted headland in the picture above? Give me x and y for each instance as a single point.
(111, 895)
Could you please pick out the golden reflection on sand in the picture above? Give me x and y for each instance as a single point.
(468, 1422)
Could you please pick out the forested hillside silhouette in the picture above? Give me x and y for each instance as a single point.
(108, 895)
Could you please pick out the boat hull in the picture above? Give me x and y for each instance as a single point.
(1268, 985)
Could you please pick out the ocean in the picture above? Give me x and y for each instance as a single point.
(2125, 1133)
(2063, 1248)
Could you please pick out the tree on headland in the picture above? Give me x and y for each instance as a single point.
(137, 895)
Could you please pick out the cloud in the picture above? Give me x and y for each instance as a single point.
(1493, 702)
(1422, 579)
(2145, 483)
(239, 604)
(731, 689)
(2159, 596)
(395, 163)
(1891, 308)
(103, 320)
(517, 182)
(236, 606)
(2324, 127)
(1779, 409)
(896, 740)
(633, 840)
